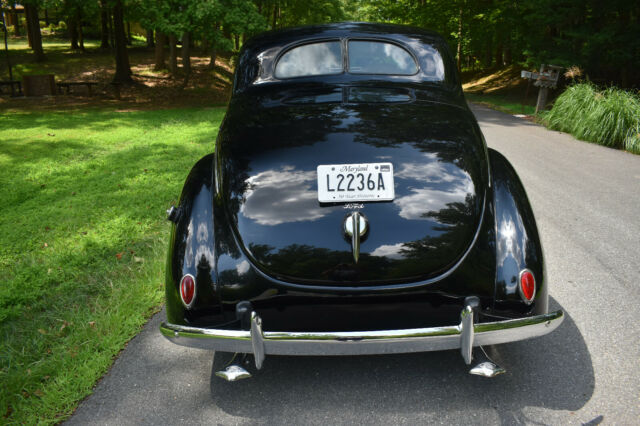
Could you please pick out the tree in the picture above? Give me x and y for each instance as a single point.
(123, 69)
(161, 40)
(150, 41)
(206, 20)
(16, 20)
(104, 25)
(287, 13)
(76, 14)
(33, 29)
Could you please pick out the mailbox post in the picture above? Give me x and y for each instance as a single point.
(546, 79)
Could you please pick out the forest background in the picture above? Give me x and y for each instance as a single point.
(601, 38)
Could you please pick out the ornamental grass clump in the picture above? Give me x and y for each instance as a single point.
(609, 117)
(632, 141)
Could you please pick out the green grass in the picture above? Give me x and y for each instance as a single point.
(501, 103)
(82, 243)
(609, 117)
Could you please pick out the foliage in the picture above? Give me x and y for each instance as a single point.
(632, 141)
(608, 117)
(83, 243)
(204, 19)
(600, 37)
(289, 13)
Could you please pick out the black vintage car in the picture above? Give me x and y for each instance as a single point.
(352, 207)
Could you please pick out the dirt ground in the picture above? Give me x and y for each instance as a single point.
(150, 90)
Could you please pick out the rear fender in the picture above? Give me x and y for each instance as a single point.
(192, 247)
(518, 244)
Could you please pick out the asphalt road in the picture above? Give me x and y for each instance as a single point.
(587, 203)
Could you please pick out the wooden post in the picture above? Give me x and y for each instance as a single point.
(543, 93)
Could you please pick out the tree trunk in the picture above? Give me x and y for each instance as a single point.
(27, 21)
(186, 57)
(80, 37)
(236, 41)
(129, 38)
(33, 29)
(507, 57)
(173, 56)
(46, 17)
(80, 33)
(123, 69)
(16, 21)
(161, 40)
(459, 56)
(212, 61)
(275, 16)
(104, 25)
(150, 42)
(498, 56)
(112, 33)
(488, 54)
(72, 27)
(6, 48)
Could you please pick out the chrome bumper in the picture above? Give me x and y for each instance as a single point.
(465, 336)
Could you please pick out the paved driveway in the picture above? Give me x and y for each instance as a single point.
(587, 202)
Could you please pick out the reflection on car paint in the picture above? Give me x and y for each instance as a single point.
(281, 196)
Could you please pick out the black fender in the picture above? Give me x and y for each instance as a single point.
(192, 247)
(518, 243)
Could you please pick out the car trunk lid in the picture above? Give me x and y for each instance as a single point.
(268, 153)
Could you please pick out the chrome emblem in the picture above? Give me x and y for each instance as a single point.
(355, 227)
(353, 206)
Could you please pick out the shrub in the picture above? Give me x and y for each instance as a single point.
(632, 141)
(609, 117)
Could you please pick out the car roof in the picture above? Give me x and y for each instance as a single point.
(340, 30)
(259, 55)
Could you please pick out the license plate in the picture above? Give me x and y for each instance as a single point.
(355, 182)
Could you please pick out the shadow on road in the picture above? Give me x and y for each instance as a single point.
(554, 371)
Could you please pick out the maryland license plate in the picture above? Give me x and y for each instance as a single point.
(355, 182)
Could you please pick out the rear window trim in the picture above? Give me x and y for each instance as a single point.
(344, 45)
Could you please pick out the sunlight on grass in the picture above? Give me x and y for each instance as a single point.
(83, 242)
(501, 103)
(62, 61)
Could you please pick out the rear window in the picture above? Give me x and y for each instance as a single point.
(311, 59)
(364, 57)
(375, 57)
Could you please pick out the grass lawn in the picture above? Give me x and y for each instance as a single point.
(503, 103)
(83, 242)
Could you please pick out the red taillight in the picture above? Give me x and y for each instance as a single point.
(527, 286)
(188, 290)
